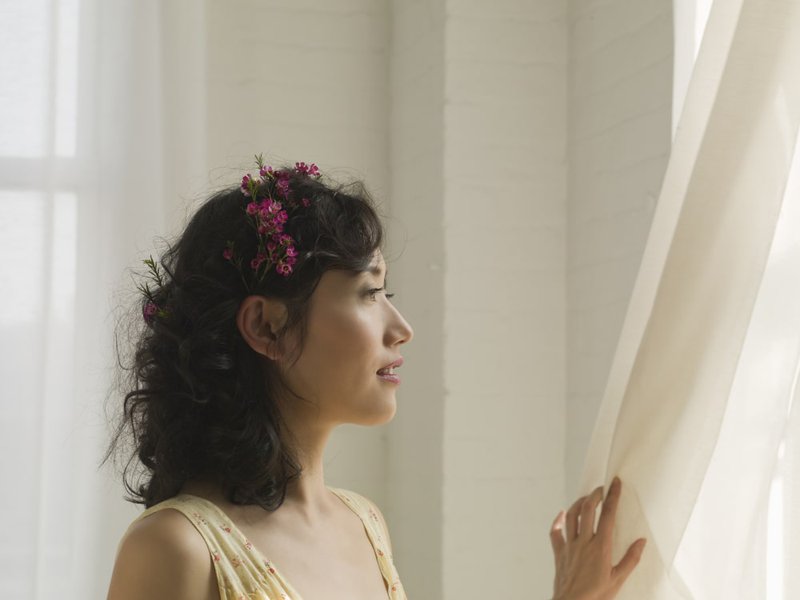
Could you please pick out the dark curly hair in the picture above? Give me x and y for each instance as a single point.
(198, 401)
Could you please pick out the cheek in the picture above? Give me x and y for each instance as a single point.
(344, 340)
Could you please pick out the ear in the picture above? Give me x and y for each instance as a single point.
(260, 321)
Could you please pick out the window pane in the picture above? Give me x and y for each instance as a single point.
(24, 73)
(22, 238)
(66, 78)
(22, 244)
(38, 61)
(38, 239)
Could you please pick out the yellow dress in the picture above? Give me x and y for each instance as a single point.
(243, 573)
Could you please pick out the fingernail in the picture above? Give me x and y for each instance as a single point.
(616, 481)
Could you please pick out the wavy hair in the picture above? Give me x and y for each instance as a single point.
(198, 401)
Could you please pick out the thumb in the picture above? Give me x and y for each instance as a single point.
(629, 561)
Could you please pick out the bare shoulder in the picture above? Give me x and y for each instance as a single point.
(163, 556)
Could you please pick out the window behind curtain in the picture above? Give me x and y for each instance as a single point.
(40, 146)
(690, 18)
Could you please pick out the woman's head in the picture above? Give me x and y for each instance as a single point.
(235, 338)
(352, 335)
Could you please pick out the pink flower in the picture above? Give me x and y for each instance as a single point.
(255, 263)
(283, 187)
(275, 206)
(282, 217)
(284, 269)
(265, 170)
(150, 309)
(228, 253)
(284, 239)
(252, 208)
(301, 167)
(271, 247)
(262, 229)
(246, 184)
(290, 251)
(263, 212)
(313, 170)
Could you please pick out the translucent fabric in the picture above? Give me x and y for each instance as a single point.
(698, 417)
(97, 138)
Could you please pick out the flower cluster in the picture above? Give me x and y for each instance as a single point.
(268, 216)
(151, 308)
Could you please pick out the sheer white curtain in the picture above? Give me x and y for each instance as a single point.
(101, 120)
(699, 417)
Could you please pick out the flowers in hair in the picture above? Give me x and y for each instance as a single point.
(151, 308)
(268, 216)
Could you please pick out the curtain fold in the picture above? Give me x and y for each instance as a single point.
(698, 400)
(147, 144)
(124, 130)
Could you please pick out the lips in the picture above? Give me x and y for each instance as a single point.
(389, 369)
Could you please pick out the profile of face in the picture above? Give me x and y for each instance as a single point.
(353, 331)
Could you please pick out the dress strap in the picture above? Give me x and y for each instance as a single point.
(242, 572)
(378, 535)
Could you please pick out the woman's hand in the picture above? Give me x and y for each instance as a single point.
(583, 559)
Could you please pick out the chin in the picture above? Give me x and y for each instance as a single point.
(380, 418)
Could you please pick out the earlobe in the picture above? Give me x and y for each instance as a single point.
(260, 321)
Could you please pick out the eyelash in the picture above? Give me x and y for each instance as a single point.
(374, 291)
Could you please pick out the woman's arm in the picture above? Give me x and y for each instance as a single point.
(163, 557)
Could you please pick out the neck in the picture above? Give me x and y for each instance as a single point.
(308, 497)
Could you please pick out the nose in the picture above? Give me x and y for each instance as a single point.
(398, 331)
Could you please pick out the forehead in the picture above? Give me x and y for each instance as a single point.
(378, 264)
(338, 280)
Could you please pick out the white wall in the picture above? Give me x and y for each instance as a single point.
(414, 508)
(478, 177)
(504, 329)
(520, 148)
(619, 142)
(306, 80)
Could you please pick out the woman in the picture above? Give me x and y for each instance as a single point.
(268, 324)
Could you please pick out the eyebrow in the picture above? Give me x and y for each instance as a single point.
(376, 270)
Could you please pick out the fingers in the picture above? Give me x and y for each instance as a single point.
(557, 535)
(608, 515)
(629, 561)
(579, 524)
(588, 511)
(572, 518)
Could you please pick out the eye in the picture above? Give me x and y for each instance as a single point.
(374, 291)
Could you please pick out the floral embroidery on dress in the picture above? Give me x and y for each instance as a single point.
(199, 518)
(244, 574)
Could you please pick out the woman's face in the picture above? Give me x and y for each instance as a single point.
(353, 332)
